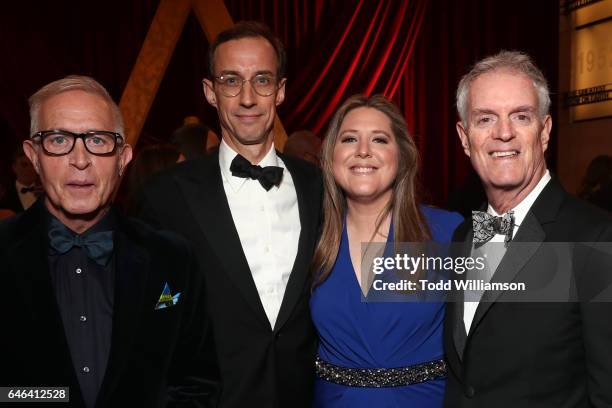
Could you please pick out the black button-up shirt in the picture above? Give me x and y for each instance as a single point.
(84, 291)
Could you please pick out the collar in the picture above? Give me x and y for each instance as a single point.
(106, 223)
(521, 210)
(227, 154)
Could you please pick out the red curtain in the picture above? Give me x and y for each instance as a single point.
(411, 50)
(339, 49)
(366, 52)
(454, 35)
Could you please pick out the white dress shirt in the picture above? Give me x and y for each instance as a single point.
(26, 199)
(268, 224)
(520, 212)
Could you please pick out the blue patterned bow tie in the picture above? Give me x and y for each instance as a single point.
(486, 226)
(98, 245)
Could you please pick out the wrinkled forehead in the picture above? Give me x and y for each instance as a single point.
(76, 111)
(502, 89)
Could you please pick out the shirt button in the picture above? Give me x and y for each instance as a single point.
(85, 369)
(78, 270)
(83, 318)
(267, 249)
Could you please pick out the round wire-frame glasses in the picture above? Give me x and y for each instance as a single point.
(231, 85)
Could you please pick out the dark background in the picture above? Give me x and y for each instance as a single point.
(420, 47)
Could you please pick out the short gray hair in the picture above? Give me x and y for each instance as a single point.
(72, 83)
(514, 61)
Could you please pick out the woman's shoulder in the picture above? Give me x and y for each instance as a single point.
(441, 222)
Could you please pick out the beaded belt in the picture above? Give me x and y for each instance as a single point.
(380, 377)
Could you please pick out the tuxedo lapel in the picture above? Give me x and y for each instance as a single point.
(206, 199)
(299, 273)
(35, 288)
(131, 278)
(543, 211)
(515, 258)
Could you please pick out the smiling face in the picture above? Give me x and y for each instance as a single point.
(365, 157)
(248, 118)
(78, 186)
(506, 136)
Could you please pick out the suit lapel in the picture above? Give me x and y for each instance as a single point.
(299, 272)
(515, 258)
(208, 204)
(543, 211)
(36, 290)
(131, 279)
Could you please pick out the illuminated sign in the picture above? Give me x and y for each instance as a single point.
(591, 84)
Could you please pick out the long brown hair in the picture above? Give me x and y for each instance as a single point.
(408, 221)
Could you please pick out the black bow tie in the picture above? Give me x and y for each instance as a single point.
(267, 176)
(486, 226)
(27, 189)
(98, 245)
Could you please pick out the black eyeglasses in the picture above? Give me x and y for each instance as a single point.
(231, 85)
(58, 142)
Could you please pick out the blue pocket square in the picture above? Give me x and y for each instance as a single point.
(167, 299)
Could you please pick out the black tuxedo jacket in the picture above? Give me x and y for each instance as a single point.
(536, 354)
(158, 358)
(260, 366)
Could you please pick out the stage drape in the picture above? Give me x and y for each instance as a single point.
(339, 49)
(411, 50)
(453, 36)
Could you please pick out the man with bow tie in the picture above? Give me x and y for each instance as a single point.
(92, 300)
(25, 190)
(253, 215)
(502, 352)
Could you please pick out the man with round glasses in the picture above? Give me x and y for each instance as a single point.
(253, 215)
(231, 85)
(94, 301)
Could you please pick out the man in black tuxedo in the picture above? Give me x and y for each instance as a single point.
(253, 215)
(92, 300)
(525, 354)
(24, 191)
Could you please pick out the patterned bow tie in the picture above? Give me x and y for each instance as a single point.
(486, 226)
(267, 176)
(98, 245)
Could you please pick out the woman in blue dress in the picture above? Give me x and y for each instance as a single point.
(373, 354)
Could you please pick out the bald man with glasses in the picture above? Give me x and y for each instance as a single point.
(92, 300)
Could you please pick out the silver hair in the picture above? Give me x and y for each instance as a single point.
(72, 83)
(513, 61)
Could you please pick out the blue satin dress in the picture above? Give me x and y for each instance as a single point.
(360, 334)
